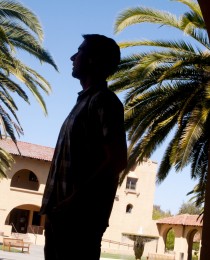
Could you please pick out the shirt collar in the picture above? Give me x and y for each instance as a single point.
(83, 93)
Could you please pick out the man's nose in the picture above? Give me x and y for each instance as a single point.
(73, 57)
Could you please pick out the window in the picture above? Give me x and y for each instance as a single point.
(129, 208)
(131, 183)
(117, 197)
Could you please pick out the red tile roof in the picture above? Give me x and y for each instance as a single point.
(27, 149)
(185, 219)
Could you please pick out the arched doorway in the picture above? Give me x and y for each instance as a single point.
(193, 240)
(169, 241)
(25, 219)
(18, 219)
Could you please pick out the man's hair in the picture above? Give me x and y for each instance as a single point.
(105, 49)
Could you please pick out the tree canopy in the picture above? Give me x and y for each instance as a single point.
(167, 93)
(20, 31)
(189, 208)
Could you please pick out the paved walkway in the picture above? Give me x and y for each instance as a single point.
(36, 253)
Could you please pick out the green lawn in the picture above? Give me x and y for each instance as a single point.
(119, 256)
(11, 249)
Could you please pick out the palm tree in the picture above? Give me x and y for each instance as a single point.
(20, 30)
(168, 95)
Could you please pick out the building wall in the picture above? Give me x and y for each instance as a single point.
(138, 221)
(12, 197)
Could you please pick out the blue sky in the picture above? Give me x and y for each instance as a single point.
(63, 23)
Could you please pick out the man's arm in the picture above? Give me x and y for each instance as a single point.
(115, 157)
(205, 9)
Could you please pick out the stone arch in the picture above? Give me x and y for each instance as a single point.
(170, 240)
(25, 179)
(166, 234)
(193, 236)
(25, 218)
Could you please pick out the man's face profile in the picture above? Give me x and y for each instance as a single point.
(80, 62)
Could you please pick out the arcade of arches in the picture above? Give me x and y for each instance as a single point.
(187, 230)
(25, 218)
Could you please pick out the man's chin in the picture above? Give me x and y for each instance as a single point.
(74, 75)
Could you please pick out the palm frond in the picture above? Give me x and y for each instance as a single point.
(20, 30)
(191, 134)
(192, 5)
(174, 45)
(6, 160)
(139, 15)
(15, 10)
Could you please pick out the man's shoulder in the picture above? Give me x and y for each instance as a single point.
(106, 95)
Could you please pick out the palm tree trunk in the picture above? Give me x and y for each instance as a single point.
(205, 7)
(205, 245)
(205, 248)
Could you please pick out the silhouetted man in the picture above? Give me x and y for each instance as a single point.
(90, 154)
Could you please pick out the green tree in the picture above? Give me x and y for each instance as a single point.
(168, 91)
(170, 239)
(159, 213)
(20, 30)
(189, 208)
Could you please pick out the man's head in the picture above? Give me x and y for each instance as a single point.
(98, 56)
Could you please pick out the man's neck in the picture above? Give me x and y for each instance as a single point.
(91, 82)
